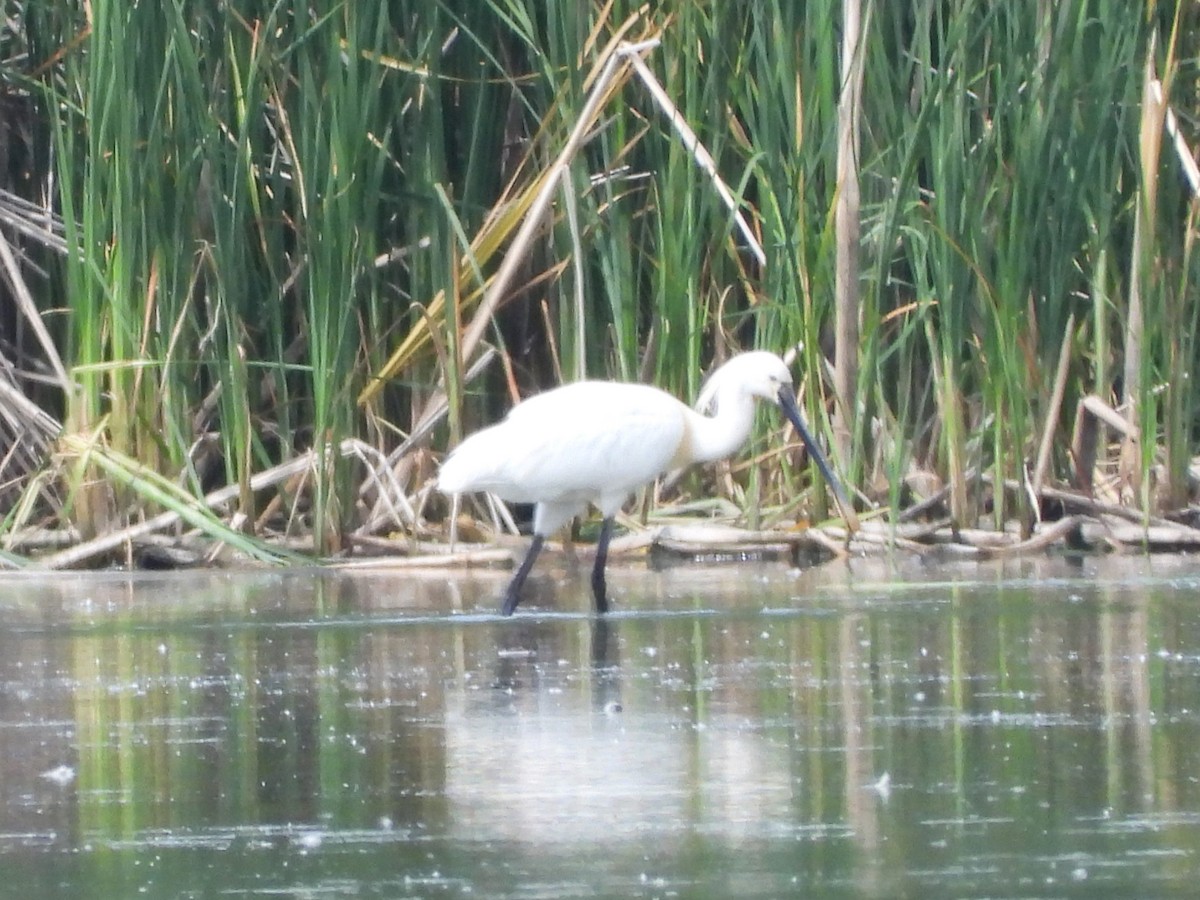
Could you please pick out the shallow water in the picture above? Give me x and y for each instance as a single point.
(1021, 729)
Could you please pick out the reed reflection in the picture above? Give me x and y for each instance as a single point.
(856, 734)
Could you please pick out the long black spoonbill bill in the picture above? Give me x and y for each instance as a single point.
(598, 441)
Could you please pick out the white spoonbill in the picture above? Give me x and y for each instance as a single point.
(598, 441)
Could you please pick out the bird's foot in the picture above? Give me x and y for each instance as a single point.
(513, 595)
(511, 599)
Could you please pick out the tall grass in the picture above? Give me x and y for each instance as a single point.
(275, 209)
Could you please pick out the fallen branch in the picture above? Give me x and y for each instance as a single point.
(1042, 539)
(489, 557)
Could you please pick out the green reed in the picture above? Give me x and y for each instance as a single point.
(280, 209)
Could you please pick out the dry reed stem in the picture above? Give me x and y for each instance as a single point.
(470, 559)
(1041, 540)
(1090, 415)
(1055, 409)
(28, 307)
(607, 80)
(1186, 160)
(111, 541)
(700, 153)
(847, 226)
(1140, 266)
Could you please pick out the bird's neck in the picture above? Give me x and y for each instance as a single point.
(717, 436)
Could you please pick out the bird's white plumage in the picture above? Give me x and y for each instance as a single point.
(589, 442)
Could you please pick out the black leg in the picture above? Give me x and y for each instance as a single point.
(598, 585)
(513, 595)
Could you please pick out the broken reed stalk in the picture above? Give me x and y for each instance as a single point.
(1090, 416)
(1055, 408)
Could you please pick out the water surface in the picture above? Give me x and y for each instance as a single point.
(1030, 729)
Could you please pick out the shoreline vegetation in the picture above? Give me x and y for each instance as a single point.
(262, 264)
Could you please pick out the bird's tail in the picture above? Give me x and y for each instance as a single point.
(469, 467)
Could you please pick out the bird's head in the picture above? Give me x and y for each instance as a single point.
(758, 373)
(762, 374)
